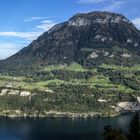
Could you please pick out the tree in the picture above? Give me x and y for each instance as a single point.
(113, 134)
(134, 128)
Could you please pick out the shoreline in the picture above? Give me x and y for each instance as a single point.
(55, 114)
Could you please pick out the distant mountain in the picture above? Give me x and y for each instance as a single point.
(89, 39)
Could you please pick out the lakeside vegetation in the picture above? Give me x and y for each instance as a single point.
(70, 88)
(133, 132)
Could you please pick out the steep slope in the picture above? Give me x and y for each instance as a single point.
(89, 39)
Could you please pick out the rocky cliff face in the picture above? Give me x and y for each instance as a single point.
(89, 39)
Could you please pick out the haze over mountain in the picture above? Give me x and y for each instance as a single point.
(89, 39)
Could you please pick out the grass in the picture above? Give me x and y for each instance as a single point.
(124, 88)
(99, 79)
(72, 67)
(75, 67)
(19, 83)
(54, 67)
(96, 80)
(135, 68)
(42, 85)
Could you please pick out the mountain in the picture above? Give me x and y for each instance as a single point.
(88, 66)
(89, 39)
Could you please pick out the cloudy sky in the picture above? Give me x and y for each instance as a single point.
(22, 21)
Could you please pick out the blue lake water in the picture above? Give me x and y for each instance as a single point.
(59, 128)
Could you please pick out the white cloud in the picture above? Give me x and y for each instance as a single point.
(34, 18)
(90, 1)
(136, 21)
(28, 36)
(114, 6)
(8, 49)
(47, 21)
(46, 25)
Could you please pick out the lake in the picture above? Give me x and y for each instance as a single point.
(58, 128)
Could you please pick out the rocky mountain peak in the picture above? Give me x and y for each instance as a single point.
(85, 19)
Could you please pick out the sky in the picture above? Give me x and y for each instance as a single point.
(22, 21)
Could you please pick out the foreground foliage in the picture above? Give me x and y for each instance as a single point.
(118, 134)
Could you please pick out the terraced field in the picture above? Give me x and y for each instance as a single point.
(70, 88)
